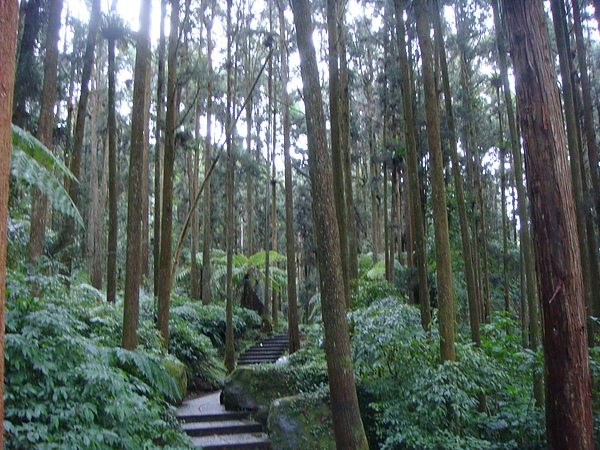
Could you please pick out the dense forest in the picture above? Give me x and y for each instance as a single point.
(410, 189)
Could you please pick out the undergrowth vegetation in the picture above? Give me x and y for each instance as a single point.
(411, 401)
(70, 385)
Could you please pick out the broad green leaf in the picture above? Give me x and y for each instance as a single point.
(26, 168)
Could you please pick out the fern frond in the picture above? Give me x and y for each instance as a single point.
(26, 168)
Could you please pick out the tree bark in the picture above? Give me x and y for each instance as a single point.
(524, 230)
(417, 228)
(290, 239)
(8, 24)
(568, 400)
(166, 227)
(229, 338)
(159, 145)
(347, 423)
(113, 189)
(474, 312)
(336, 151)
(139, 126)
(440, 216)
(207, 213)
(39, 207)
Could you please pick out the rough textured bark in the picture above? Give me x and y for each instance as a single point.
(39, 207)
(159, 146)
(334, 120)
(568, 396)
(563, 47)
(195, 283)
(113, 190)
(95, 224)
(419, 255)
(347, 423)
(345, 147)
(293, 332)
(8, 34)
(229, 342)
(139, 126)
(474, 313)
(79, 132)
(440, 216)
(207, 213)
(524, 230)
(166, 227)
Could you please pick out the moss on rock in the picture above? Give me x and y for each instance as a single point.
(301, 422)
(178, 371)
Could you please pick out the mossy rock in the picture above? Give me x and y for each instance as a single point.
(253, 388)
(301, 422)
(178, 371)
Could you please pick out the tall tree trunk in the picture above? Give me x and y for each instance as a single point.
(78, 135)
(440, 216)
(9, 19)
(207, 216)
(39, 207)
(95, 227)
(345, 149)
(347, 423)
(24, 84)
(195, 282)
(229, 342)
(145, 246)
(139, 126)
(474, 312)
(412, 171)
(563, 46)
(159, 145)
(166, 227)
(290, 239)
(113, 188)
(336, 151)
(524, 230)
(592, 152)
(568, 400)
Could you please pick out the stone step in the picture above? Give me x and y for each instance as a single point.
(256, 441)
(221, 427)
(263, 352)
(215, 417)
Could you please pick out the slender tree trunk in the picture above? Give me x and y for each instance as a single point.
(442, 241)
(524, 230)
(9, 19)
(195, 231)
(95, 227)
(568, 400)
(417, 228)
(145, 246)
(78, 135)
(159, 146)
(474, 312)
(113, 189)
(207, 222)
(166, 227)
(336, 151)
(139, 126)
(347, 423)
(293, 332)
(229, 342)
(345, 147)
(39, 207)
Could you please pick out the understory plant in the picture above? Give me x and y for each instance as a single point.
(66, 390)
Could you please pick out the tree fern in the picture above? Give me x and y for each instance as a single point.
(33, 163)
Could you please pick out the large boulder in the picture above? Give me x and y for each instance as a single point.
(178, 372)
(301, 422)
(253, 388)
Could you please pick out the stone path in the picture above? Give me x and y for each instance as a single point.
(212, 427)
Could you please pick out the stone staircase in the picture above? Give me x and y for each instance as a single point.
(212, 427)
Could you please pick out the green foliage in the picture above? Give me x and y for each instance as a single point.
(33, 163)
(476, 402)
(66, 390)
(367, 291)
